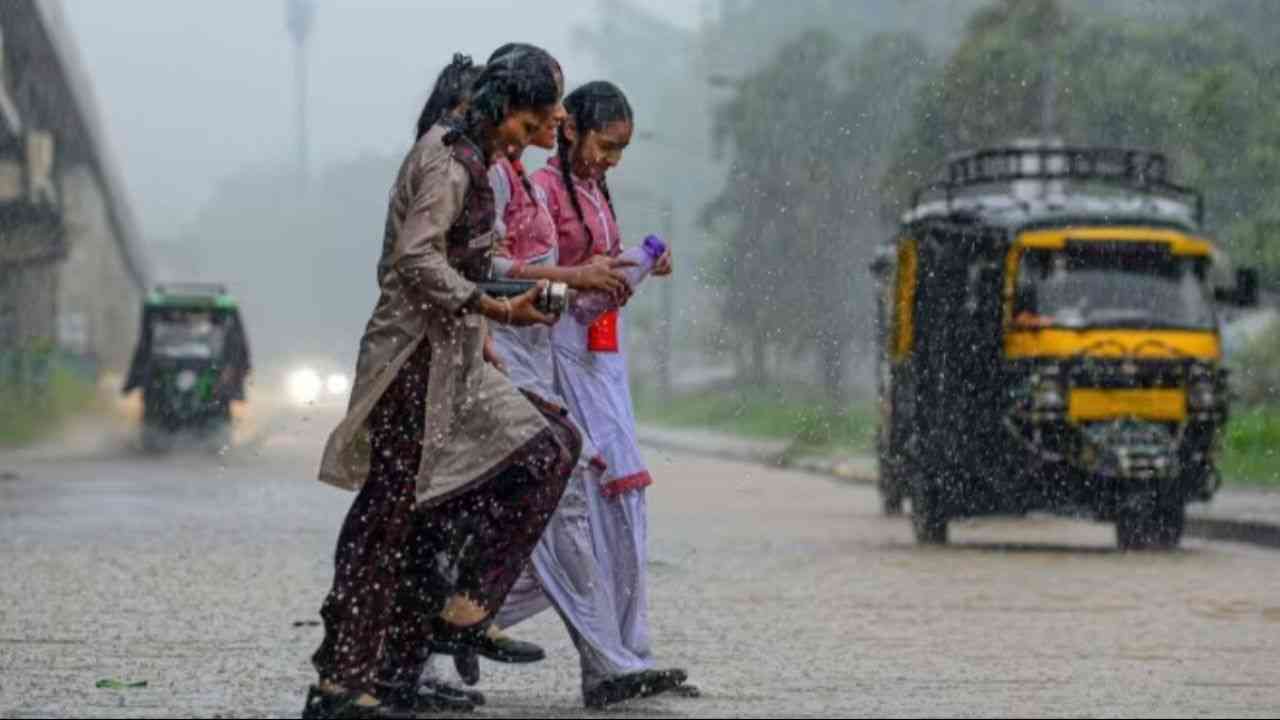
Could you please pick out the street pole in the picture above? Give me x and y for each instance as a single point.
(300, 19)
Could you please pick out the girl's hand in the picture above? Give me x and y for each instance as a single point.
(602, 276)
(519, 311)
(524, 308)
(662, 268)
(491, 355)
(620, 295)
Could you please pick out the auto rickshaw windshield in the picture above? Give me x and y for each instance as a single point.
(1112, 290)
(188, 335)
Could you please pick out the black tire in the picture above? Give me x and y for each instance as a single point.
(155, 441)
(891, 502)
(928, 518)
(1156, 528)
(891, 494)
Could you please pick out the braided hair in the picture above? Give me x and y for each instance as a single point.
(592, 107)
(452, 89)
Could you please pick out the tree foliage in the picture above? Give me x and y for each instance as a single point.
(1193, 86)
(797, 212)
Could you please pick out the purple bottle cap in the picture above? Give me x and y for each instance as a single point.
(654, 246)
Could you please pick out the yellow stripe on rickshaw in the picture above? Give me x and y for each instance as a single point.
(1138, 344)
(1159, 405)
(1179, 243)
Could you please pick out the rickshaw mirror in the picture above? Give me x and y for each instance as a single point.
(1245, 292)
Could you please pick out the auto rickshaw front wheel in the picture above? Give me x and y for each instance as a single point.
(1156, 527)
(891, 492)
(928, 517)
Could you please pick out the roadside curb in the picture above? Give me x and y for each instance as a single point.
(1199, 524)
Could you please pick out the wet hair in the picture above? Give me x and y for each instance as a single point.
(593, 107)
(452, 88)
(517, 78)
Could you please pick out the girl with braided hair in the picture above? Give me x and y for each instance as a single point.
(565, 572)
(458, 472)
(592, 380)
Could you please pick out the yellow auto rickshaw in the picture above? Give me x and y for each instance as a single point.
(1049, 340)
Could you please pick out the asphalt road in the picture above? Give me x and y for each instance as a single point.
(782, 593)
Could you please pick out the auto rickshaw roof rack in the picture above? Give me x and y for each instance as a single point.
(1142, 171)
(191, 293)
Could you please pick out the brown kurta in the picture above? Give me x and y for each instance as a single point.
(475, 418)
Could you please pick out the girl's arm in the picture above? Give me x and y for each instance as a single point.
(438, 188)
(605, 276)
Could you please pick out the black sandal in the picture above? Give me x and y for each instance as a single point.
(451, 696)
(449, 639)
(321, 704)
(633, 686)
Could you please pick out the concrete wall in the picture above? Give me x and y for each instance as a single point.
(98, 302)
(28, 304)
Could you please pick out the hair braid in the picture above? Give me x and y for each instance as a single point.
(592, 107)
(562, 152)
(524, 179)
(608, 198)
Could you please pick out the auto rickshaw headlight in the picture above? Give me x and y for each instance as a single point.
(337, 384)
(1046, 394)
(186, 380)
(305, 386)
(1202, 396)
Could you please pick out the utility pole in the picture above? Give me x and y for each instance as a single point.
(300, 18)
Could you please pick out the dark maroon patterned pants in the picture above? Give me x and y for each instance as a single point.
(395, 566)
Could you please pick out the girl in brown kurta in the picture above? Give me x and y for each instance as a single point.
(458, 471)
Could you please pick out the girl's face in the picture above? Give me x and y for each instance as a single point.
(599, 151)
(546, 139)
(522, 127)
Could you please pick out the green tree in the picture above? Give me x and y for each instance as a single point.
(797, 216)
(1195, 87)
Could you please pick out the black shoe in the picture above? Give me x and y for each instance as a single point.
(504, 649)
(321, 704)
(636, 685)
(467, 663)
(685, 690)
(424, 699)
(475, 697)
(447, 698)
(451, 640)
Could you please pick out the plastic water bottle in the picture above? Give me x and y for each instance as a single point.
(589, 305)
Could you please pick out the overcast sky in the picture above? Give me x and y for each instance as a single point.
(194, 91)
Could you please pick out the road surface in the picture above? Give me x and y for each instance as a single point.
(782, 593)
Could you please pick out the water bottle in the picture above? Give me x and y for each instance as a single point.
(553, 299)
(589, 305)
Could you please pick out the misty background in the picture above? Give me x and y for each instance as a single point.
(774, 144)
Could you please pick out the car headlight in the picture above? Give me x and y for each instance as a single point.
(305, 386)
(1046, 394)
(186, 380)
(337, 384)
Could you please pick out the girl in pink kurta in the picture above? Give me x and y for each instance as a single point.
(591, 367)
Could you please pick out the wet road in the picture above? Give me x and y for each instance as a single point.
(782, 593)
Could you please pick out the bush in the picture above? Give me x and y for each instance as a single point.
(30, 411)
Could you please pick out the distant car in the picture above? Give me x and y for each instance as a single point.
(191, 363)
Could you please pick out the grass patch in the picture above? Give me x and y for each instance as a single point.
(27, 415)
(1251, 448)
(794, 413)
(1250, 456)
